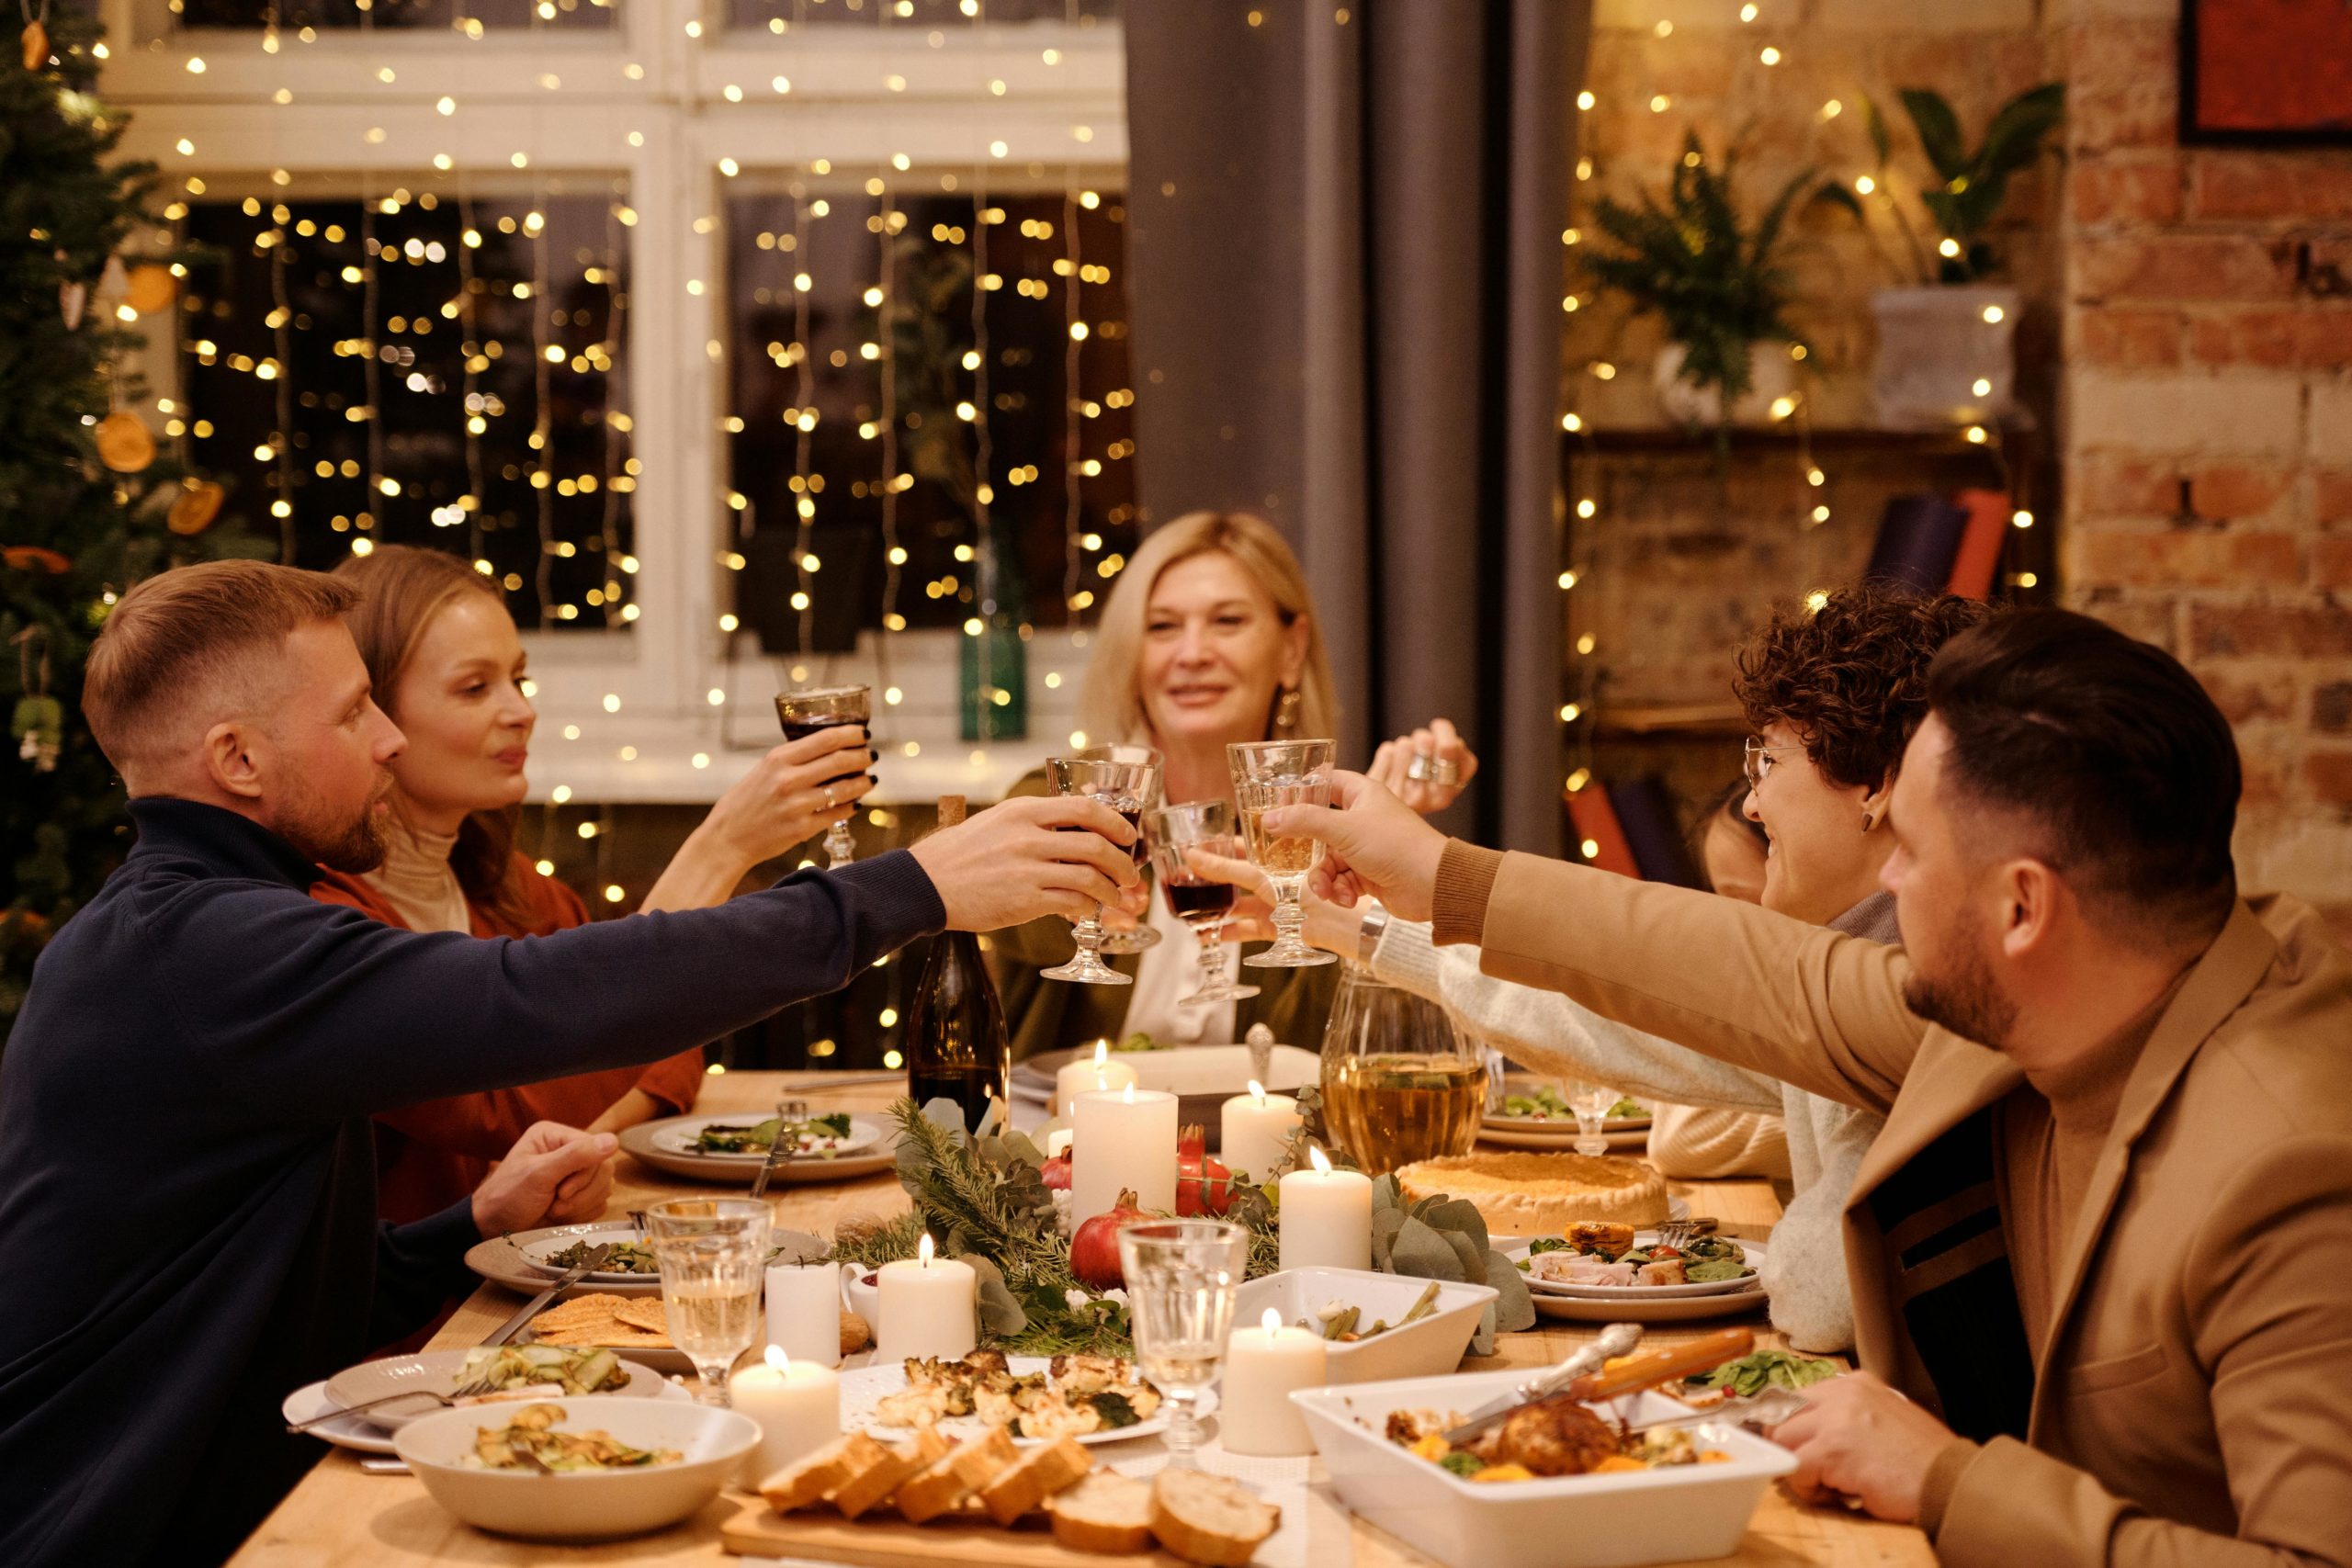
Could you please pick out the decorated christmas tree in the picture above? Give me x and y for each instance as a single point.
(89, 503)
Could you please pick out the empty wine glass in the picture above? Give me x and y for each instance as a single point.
(803, 713)
(1200, 903)
(1267, 774)
(1591, 1099)
(1180, 1278)
(1123, 787)
(712, 1253)
(1134, 938)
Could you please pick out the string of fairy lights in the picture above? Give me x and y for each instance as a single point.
(1811, 486)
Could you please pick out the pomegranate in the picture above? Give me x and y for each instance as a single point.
(1203, 1185)
(1094, 1250)
(1056, 1174)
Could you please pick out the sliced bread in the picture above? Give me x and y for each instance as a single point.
(1209, 1519)
(875, 1481)
(810, 1479)
(1036, 1477)
(1106, 1511)
(933, 1491)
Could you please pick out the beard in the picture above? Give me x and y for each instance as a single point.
(353, 844)
(1964, 997)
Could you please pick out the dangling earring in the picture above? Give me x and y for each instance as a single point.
(1286, 711)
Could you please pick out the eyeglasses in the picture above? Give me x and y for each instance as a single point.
(1758, 760)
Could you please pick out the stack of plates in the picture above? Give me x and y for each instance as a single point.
(1644, 1303)
(1626, 1135)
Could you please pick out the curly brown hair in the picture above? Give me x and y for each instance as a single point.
(1852, 677)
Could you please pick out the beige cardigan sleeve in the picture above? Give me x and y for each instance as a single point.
(1761, 991)
(1699, 1143)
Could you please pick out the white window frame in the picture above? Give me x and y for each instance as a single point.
(841, 106)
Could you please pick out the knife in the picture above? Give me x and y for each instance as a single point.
(791, 1113)
(1617, 1339)
(564, 1281)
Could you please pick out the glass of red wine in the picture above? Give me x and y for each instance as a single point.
(1134, 938)
(1123, 787)
(1200, 903)
(805, 712)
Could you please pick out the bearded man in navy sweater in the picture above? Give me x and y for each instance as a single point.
(188, 1215)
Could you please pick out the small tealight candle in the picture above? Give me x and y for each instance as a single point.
(1254, 1413)
(1325, 1217)
(1255, 1130)
(1089, 1075)
(929, 1306)
(1125, 1141)
(804, 1312)
(798, 1406)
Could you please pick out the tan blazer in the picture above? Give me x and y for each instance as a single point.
(2193, 1401)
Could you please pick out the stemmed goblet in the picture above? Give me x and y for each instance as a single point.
(1199, 902)
(713, 1254)
(1123, 787)
(1134, 938)
(803, 713)
(1180, 1278)
(1267, 775)
(1591, 1099)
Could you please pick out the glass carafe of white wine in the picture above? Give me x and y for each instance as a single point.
(1401, 1081)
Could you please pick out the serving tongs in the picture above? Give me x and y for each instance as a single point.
(1584, 1376)
(791, 1113)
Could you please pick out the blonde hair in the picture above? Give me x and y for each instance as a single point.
(1112, 708)
(194, 635)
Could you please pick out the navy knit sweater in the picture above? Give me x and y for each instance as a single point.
(187, 1209)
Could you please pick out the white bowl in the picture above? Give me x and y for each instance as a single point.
(583, 1505)
(1620, 1520)
(1427, 1346)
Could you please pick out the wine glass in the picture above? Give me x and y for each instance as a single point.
(1591, 1099)
(713, 1253)
(821, 707)
(1180, 1278)
(1136, 938)
(1267, 774)
(1194, 898)
(1123, 787)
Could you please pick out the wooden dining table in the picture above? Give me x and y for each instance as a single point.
(341, 1516)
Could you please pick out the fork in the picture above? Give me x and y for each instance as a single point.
(594, 1261)
(478, 1386)
(1683, 1233)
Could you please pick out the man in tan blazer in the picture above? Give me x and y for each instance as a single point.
(2101, 1256)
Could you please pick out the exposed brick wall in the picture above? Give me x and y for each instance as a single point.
(2206, 308)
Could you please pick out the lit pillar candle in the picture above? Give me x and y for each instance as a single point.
(1089, 1075)
(804, 1312)
(929, 1307)
(1254, 1130)
(1122, 1140)
(798, 1406)
(1325, 1217)
(1254, 1415)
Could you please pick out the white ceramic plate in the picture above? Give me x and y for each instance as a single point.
(666, 1146)
(1684, 1309)
(539, 1251)
(1754, 1249)
(362, 1435)
(439, 1371)
(676, 1135)
(507, 1259)
(1508, 1134)
(865, 1388)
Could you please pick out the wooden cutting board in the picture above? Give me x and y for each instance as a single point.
(879, 1540)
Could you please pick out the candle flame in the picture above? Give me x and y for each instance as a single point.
(1259, 1089)
(1129, 1094)
(1272, 1322)
(777, 1359)
(924, 1250)
(1101, 1054)
(1315, 1157)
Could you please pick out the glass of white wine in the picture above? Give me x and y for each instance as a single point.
(713, 1255)
(1267, 775)
(1181, 1275)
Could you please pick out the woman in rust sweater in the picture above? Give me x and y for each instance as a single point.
(447, 665)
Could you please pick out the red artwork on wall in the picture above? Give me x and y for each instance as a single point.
(2265, 72)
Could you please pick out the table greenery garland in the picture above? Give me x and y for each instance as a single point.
(982, 1198)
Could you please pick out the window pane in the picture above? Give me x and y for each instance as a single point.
(810, 340)
(445, 373)
(783, 15)
(337, 15)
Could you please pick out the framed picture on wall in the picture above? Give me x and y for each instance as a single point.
(2265, 72)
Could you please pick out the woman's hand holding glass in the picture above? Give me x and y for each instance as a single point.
(796, 792)
(1204, 903)
(1334, 928)
(1123, 787)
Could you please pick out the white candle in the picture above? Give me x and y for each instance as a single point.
(1325, 1217)
(1254, 1415)
(1090, 1075)
(804, 1312)
(1057, 1141)
(929, 1307)
(798, 1406)
(1125, 1141)
(1254, 1130)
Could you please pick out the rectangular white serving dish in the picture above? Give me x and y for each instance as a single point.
(1427, 1346)
(1674, 1514)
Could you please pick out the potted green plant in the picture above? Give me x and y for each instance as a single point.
(1720, 286)
(1944, 336)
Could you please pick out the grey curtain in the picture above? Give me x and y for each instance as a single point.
(1345, 279)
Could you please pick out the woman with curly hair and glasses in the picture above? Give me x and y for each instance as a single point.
(1832, 694)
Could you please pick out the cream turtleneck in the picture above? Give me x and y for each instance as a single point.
(417, 880)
